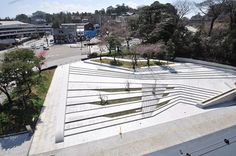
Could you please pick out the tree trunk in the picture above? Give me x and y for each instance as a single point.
(148, 62)
(127, 42)
(212, 25)
(135, 59)
(231, 22)
(4, 90)
(110, 50)
(24, 101)
(9, 98)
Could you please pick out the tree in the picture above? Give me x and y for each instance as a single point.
(114, 44)
(101, 48)
(23, 18)
(19, 64)
(134, 54)
(230, 9)
(148, 51)
(110, 10)
(103, 99)
(211, 8)
(39, 60)
(6, 83)
(154, 21)
(170, 50)
(183, 7)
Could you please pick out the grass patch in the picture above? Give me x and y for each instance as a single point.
(116, 101)
(170, 87)
(165, 94)
(15, 119)
(162, 103)
(118, 89)
(132, 111)
(127, 64)
(42, 88)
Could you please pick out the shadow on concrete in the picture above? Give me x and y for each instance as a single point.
(221, 105)
(170, 69)
(13, 141)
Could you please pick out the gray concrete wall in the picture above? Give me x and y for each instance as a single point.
(220, 99)
(225, 67)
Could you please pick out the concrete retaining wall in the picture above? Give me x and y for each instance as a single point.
(225, 97)
(225, 67)
(107, 65)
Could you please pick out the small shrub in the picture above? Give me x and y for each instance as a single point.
(93, 55)
(115, 63)
(158, 63)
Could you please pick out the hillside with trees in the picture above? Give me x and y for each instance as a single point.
(163, 23)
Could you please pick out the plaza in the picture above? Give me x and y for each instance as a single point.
(94, 109)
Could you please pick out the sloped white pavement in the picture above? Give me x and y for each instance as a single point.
(72, 118)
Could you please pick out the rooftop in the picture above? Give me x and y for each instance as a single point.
(134, 122)
(11, 23)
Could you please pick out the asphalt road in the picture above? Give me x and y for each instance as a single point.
(57, 54)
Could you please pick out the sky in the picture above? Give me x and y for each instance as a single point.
(10, 8)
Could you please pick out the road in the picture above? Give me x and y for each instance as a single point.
(65, 53)
(57, 54)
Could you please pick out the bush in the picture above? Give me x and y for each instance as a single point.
(4, 120)
(115, 63)
(93, 55)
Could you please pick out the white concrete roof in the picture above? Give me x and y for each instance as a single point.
(11, 22)
(73, 123)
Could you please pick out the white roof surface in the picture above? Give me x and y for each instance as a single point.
(83, 128)
(11, 22)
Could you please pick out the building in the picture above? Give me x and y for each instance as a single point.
(86, 30)
(65, 34)
(13, 31)
(72, 32)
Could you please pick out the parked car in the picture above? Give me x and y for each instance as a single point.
(37, 47)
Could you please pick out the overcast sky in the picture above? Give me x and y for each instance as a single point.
(10, 8)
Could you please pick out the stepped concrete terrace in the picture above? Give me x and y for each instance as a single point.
(99, 110)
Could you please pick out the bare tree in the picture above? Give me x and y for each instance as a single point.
(134, 57)
(212, 9)
(230, 9)
(148, 51)
(127, 86)
(101, 46)
(183, 7)
(103, 99)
